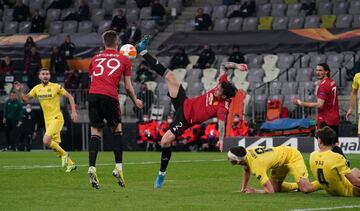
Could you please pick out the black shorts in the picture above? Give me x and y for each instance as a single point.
(334, 127)
(103, 107)
(179, 125)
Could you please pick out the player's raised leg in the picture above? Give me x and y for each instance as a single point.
(118, 153)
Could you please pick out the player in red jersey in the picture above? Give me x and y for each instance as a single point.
(106, 70)
(327, 103)
(189, 111)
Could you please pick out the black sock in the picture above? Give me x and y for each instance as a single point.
(94, 144)
(118, 147)
(338, 150)
(154, 64)
(165, 158)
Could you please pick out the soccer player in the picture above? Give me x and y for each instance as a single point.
(330, 169)
(106, 70)
(189, 111)
(282, 160)
(326, 103)
(48, 95)
(355, 88)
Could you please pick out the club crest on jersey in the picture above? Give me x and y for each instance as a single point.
(49, 90)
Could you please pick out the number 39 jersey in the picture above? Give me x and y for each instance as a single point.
(329, 169)
(106, 70)
(329, 112)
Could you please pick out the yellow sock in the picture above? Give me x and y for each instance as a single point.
(69, 162)
(288, 186)
(316, 185)
(57, 148)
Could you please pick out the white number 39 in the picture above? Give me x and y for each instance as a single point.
(108, 64)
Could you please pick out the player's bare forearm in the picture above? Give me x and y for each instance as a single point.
(228, 67)
(353, 99)
(25, 98)
(130, 89)
(318, 104)
(221, 125)
(246, 177)
(71, 101)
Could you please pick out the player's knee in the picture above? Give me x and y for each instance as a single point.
(46, 141)
(165, 143)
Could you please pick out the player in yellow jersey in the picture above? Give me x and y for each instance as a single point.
(48, 95)
(281, 161)
(330, 169)
(355, 88)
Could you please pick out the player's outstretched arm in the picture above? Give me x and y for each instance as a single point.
(352, 103)
(268, 188)
(221, 126)
(74, 116)
(318, 104)
(229, 67)
(25, 98)
(245, 179)
(130, 91)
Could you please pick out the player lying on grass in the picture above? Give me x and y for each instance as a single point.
(190, 111)
(282, 161)
(330, 169)
(48, 95)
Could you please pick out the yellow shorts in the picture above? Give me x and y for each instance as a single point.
(295, 167)
(53, 128)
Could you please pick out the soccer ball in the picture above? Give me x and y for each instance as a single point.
(129, 51)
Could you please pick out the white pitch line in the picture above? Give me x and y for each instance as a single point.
(108, 164)
(328, 208)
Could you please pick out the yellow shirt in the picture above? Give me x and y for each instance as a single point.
(261, 159)
(329, 169)
(356, 85)
(49, 98)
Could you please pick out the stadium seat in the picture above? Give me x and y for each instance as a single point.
(221, 24)
(271, 74)
(354, 8)
(276, 97)
(193, 75)
(52, 15)
(343, 21)
(148, 26)
(254, 60)
(240, 75)
(316, 59)
(275, 87)
(340, 7)
(109, 5)
(165, 60)
(25, 27)
(324, 8)
(103, 26)
(306, 88)
(288, 101)
(278, 10)
(265, 23)
(250, 24)
(162, 88)
(289, 88)
(305, 60)
(194, 89)
(207, 9)
(231, 9)
(235, 24)
(132, 15)
(276, 1)
(97, 15)
(11, 28)
(145, 13)
(85, 27)
(210, 73)
(280, 23)
(36, 4)
(335, 60)
(263, 10)
(304, 74)
(208, 85)
(151, 85)
(132, 4)
(256, 75)
(66, 12)
(339, 76)
(290, 1)
(260, 103)
(55, 27)
(241, 85)
(296, 23)
(177, 4)
(258, 2)
(312, 21)
(285, 61)
(129, 107)
(165, 101)
(70, 27)
(94, 3)
(7, 15)
(180, 74)
(258, 88)
(189, 25)
(219, 12)
(293, 10)
(356, 21)
(1, 27)
(193, 59)
(270, 61)
(328, 21)
(289, 76)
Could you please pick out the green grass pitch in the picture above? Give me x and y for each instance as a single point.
(195, 181)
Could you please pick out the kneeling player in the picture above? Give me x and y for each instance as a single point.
(282, 160)
(330, 169)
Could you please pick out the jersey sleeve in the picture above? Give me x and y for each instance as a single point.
(222, 113)
(356, 80)
(322, 92)
(340, 165)
(127, 71)
(62, 91)
(32, 92)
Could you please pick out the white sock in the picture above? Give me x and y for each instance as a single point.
(143, 52)
(162, 173)
(119, 166)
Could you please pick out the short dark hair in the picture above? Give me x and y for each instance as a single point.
(229, 89)
(43, 69)
(326, 68)
(109, 38)
(327, 136)
(238, 151)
